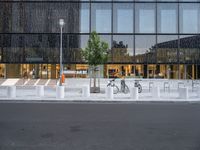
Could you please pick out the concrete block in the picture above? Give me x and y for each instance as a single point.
(86, 91)
(134, 93)
(40, 90)
(183, 93)
(11, 93)
(156, 92)
(60, 92)
(198, 91)
(109, 92)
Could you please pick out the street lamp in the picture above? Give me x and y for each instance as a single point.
(61, 23)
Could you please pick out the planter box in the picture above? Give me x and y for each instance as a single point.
(94, 89)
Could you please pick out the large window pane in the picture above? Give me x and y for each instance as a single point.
(73, 52)
(1, 17)
(101, 17)
(84, 18)
(189, 18)
(167, 48)
(145, 18)
(167, 18)
(5, 21)
(189, 49)
(145, 50)
(40, 17)
(123, 18)
(122, 48)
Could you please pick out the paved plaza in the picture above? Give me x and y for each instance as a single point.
(26, 90)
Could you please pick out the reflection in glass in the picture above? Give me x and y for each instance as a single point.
(1, 17)
(122, 48)
(145, 18)
(145, 50)
(167, 18)
(189, 18)
(123, 18)
(189, 49)
(76, 43)
(84, 18)
(101, 17)
(167, 48)
(39, 17)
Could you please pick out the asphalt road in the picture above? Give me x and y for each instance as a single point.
(99, 126)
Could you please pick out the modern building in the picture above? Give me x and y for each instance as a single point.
(147, 38)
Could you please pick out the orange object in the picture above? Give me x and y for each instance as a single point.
(63, 78)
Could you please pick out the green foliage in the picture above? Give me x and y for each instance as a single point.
(96, 51)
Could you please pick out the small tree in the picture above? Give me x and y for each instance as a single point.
(95, 53)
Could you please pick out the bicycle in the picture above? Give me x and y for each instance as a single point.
(138, 85)
(124, 87)
(112, 84)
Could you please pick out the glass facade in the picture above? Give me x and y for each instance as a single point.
(146, 37)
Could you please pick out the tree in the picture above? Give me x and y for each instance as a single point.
(95, 53)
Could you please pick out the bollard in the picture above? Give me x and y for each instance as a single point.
(40, 90)
(60, 92)
(198, 92)
(134, 93)
(151, 84)
(183, 93)
(109, 92)
(11, 93)
(85, 91)
(156, 92)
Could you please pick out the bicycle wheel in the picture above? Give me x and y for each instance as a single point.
(126, 89)
(139, 88)
(115, 89)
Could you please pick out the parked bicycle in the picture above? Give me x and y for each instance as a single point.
(138, 85)
(112, 84)
(124, 87)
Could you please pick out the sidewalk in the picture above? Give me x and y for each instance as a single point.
(73, 91)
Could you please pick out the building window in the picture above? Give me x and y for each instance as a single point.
(167, 49)
(167, 18)
(123, 18)
(189, 49)
(189, 18)
(101, 17)
(145, 18)
(145, 48)
(122, 48)
(84, 21)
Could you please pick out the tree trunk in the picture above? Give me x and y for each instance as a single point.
(95, 88)
(94, 77)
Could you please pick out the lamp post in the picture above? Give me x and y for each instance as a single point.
(61, 23)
